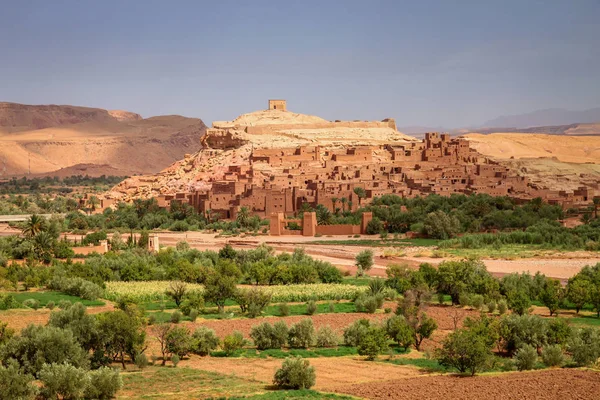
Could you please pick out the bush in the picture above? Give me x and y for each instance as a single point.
(311, 307)
(354, 333)
(398, 329)
(584, 346)
(32, 303)
(175, 360)
(331, 307)
(204, 340)
(193, 300)
(284, 310)
(50, 305)
(373, 343)
(233, 342)
(553, 356)
(525, 358)
(477, 301)
(63, 380)
(141, 361)
(326, 337)
(105, 382)
(502, 307)
(76, 287)
(193, 315)
(267, 336)
(175, 317)
(491, 306)
(14, 384)
(466, 350)
(519, 330)
(302, 334)
(151, 319)
(7, 301)
(64, 304)
(179, 341)
(295, 373)
(368, 304)
(253, 301)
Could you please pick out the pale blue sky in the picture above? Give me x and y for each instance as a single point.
(449, 63)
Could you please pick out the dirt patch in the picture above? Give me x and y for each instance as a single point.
(332, 373)
(538, 385)
(19, 319)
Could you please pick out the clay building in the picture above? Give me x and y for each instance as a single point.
(277, 105)
(277, 182)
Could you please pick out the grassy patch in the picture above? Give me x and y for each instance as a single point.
(297, 394)
(272, 310)
(508, 251)
(45, 297)
(588, 320)
(184, 383)
(357, 281)
(428, 365)
(188, 383)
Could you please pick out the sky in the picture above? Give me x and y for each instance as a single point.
(434, 63)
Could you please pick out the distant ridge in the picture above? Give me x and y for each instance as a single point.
(546, 117)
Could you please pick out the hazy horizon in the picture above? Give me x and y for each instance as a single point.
(429, 64)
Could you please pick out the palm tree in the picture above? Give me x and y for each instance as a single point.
(243, 217)
(343, 201)
(34, 225)
(334, 201)
(93, 202)
(43, 245)
(360, 193)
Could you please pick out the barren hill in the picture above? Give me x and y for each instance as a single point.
(558, 162)
(44, 139)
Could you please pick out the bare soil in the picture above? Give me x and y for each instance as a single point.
(537, 385)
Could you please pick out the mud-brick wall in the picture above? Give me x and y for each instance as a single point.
(338, 229)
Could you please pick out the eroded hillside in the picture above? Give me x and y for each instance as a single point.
(56, 139)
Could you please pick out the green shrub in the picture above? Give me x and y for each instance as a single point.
(295, 373)
(7, 301)
(204, 340)
(179, 341)
(326, 337)
(311, 307)
(373, 343)
(368, 304)
(105, 382)
(502, 307)
(354, 333)
(151, 319)
(491, 306)
(175, 360)
(64, 304)
(477, 301)
(302, 334)
(32, 303)
(233, 342)
(466, 350)
(584, 346)
(331, 307)
(63, 381)
(141, 361)
(193, 300)
(525, 358)
(398, 329)
(14, 384)
(193, 315)
(262, 336)
(553, 356)
(284, 309)
(464, 299)
(175, 317)
(50, 305)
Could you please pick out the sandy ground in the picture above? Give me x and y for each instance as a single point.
(333, 373)
(20, 318)
(537, 385)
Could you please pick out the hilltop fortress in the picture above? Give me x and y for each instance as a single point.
(274, 161)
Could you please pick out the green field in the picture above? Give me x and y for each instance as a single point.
(45, 297)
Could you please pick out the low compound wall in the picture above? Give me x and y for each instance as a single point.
(264, 129)
(338, 229)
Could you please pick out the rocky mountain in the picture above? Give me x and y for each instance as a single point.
(55, 139)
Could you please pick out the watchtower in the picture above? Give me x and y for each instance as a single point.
(277, 105)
